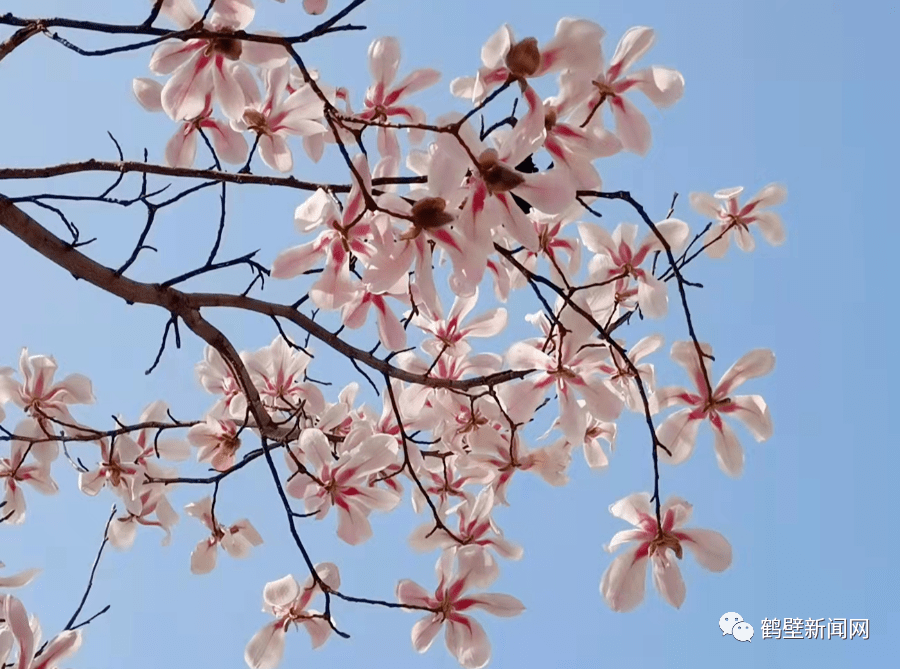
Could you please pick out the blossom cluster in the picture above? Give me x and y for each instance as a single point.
(494, 221)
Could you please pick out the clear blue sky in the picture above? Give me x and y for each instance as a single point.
(794, 92)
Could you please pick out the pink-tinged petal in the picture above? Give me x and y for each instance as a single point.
(282, 592)
(705, 204)
(678, 433)
(182, 13)
(709, 548)
(622, 585)
(17, 622)
(122, 533)
(716, 241)
(596, 239)
(522, 399)
(169, 56)
(228, 91)
(203, 558)
(600, 401)
(634, 44)
(632, 127)
(753, 412)
(230, 145)
(148, 92)
(410, 592)
(572, 418)
(523, 355)
(575, 45)
(653, 298)
(468, 643)
(314, 145)
(744, 240)
(384, 59)
(668, 580)
(623, 537)
(662, 85)
(297, 260)
(276, 153)
(497, 46)
(551, 192)
(184, 95)
(729, 452)
(75, 389)
(497, 604)
(91, 483)
(674, 231)
(771, 227)
(390, 330)
(675, 512)
(20, 579)
(757, 362)
(632, 509)
(181, 149)
(415, 82)
(770, 196)
(353, 525)
(424, 632)
(319, 630)
(685, 354)
(266, 648)
(645, 347)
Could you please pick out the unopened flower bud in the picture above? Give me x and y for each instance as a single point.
(524, 58)
(498, 177)
(428, 213)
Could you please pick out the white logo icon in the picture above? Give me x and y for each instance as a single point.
(729, 620)
(743, 631)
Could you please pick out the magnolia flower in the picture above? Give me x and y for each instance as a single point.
(278, 372)
(619, 255)
(216, 377)
(314, 7)
(731, 218)
(679, 431)
(382, 98)
(595, 430)
(450, 334)
(152, 500)
(576, 44)
(214, 67)
(287, 601)
(623, 378)
(344, 481)
(217, 440)
(622, 585)
(181, 149)
(465, 637)
(237, 540)
(663, 86)
(18, 469)
(39, 397)
(25, 635)
(119, 469)
(277, 117)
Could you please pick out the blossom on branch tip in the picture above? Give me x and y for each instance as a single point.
(730, 218)
(287, 601)
(465, 637)
(679, 431)
(622, 585)
(237, 539)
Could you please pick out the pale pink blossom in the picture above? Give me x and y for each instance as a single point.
(450, 334)
(620, 255)
(119, 469)
(216, 377)
(662, 86)
(217, 440)
(153, 501)
(288, 601)
(237, 539)
(28, 462)
(576, 44)
(25, 636)
(623, 378)
(279, 371)
(390, 330)
(279, 116)
(679, 431)
(181, 149)
(595, 431)
(383, 96)
(42, 399)
(465, 637)
(214, 67)
(730, 218)
(622, 585)
(345, 233)
(344, 481)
